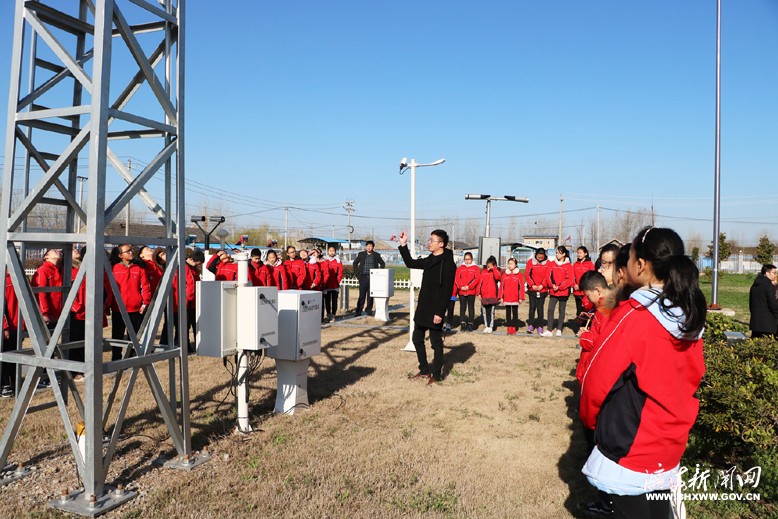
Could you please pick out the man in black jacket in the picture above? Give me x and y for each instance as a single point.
(366, 260)
(762, 303)
(437, 284)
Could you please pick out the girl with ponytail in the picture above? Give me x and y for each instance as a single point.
(637, 390)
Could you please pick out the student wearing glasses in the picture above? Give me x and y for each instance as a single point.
(437, 283)
(135, 293)
(606, 263)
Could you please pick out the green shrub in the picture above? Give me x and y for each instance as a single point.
(738, 418)
(717, 324)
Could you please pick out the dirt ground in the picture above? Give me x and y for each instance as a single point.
(497, 438)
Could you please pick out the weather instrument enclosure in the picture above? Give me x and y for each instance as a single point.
(299, 325)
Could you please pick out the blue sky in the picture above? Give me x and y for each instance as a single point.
(611, 102)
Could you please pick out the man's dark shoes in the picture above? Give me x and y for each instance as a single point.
(420, 376)
(434, 379)
(599, 507)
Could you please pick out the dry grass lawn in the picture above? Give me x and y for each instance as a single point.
(498, 438)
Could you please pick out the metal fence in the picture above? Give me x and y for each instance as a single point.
(398, 283)
(737, 263)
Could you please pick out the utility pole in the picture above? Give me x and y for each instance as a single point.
(349, 206)
(653, 219)
(598, 227)
(127, 211)
(560, 219)
(286, 228)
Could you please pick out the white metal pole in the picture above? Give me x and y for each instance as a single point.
(488, 217)
(714, 304)
(244, 426)
(412, 250)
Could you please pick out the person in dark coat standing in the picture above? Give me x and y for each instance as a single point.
(366, 260)
(762, 303)
(437, 282)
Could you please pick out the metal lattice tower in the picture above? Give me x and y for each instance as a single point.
(70, 108)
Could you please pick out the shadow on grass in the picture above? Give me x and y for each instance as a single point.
(456, 355)
(342, 372)
(573, 459)
(214, 417)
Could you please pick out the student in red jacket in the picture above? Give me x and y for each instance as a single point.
(135, 293)
(194, 261)
(512, 294)
(222, 266)
(604, 301)
(77, 312)
(535, 274)
(638, 389)
(49, 274)
(335, 270)
(488, 289)
(153, 270)
(560, 279)
(318, 274)
(582, 265)
(466, 286)
(312, 275)
(260, 275)
(295, 269)
(10, 327)
(277, 270)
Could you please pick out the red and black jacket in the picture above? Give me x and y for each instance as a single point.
(637, 390)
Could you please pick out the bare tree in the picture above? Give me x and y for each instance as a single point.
(626, 224)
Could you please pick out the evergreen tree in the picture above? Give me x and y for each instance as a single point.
(765, 251)
(725, 248)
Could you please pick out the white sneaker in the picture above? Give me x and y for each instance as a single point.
(546, 334)
(559, 333)
(487, 330)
